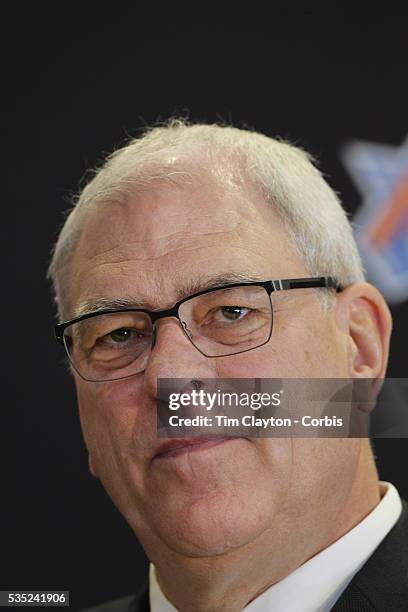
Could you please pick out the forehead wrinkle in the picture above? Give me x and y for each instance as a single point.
(188, 241)
(147, 257)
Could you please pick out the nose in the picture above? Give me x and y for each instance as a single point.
(174, 356)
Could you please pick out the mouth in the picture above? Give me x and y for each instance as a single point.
(175, 448)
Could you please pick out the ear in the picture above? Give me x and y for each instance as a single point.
(92, 468)
(368, 323)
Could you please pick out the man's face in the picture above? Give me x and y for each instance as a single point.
(207, 501)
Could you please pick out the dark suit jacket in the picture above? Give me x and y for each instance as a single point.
(381, 585)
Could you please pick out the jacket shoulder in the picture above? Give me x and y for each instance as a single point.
(382, 583)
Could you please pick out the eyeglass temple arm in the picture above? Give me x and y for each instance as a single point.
(304, 283)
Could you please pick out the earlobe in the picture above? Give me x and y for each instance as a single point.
(92, 467)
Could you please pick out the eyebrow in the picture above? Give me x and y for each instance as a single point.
(190, 288)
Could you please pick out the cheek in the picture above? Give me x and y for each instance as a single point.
(110, 413)
(290, 360)
(326, 466)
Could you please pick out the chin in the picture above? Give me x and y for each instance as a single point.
(212, 524)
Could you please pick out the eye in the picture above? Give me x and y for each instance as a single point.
(121, 335)
(234, 313)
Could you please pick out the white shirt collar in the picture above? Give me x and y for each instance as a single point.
(317, 584)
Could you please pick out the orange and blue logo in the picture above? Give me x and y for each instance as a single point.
(380, 172)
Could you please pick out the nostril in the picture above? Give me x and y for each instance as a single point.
(197, 384)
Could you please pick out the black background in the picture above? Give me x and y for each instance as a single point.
(76, 82)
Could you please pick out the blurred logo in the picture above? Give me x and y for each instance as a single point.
(380, 172)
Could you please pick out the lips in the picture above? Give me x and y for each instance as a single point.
(172, 448)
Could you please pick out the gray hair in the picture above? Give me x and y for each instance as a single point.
(177, 151)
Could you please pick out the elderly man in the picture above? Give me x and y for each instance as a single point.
(286, 524)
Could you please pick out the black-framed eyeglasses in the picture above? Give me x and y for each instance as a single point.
(111, 344)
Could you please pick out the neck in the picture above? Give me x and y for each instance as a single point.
(226, 582)
(230, 581)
